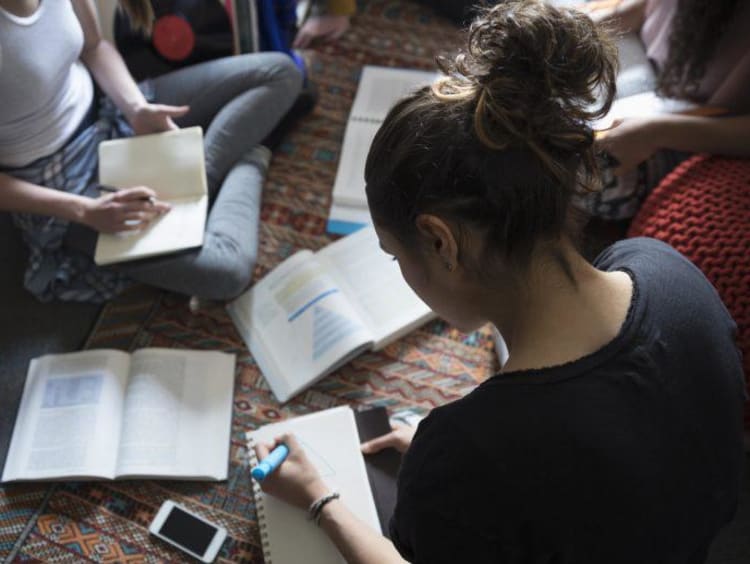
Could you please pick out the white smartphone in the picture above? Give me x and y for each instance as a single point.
(187, 531)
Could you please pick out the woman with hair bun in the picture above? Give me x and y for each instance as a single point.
(613, 433)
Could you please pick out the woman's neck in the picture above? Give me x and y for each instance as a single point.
(20, 8)
(557, 319)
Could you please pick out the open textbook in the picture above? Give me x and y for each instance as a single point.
(173, 165)
(109, 414)
(379, 88)
(331, 443)
(316, 311)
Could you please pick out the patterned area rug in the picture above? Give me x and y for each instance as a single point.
(107, 521)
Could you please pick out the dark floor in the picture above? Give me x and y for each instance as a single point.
(29, 329)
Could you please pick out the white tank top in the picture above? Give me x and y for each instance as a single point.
(45, 91)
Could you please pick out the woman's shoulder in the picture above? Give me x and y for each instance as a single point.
(659, 270)
(637, 249)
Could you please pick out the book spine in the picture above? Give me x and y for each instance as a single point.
(260, 507)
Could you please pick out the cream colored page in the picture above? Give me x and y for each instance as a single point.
(183, 227)
(177, 414)
(374, 281)
(170, 163)
(70, 415)
(331, 442)
(381, 87)
(298, 324)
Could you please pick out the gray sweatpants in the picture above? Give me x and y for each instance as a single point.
(238, 101)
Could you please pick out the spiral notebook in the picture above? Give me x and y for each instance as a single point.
(331, 442)
(379, 88)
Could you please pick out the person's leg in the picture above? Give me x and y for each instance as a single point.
(237, 100)
(221, 269)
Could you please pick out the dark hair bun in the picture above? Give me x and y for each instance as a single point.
(537, 75)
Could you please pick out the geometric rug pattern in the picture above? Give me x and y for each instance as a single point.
(107, 521)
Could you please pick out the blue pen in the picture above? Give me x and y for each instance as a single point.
(270, 462)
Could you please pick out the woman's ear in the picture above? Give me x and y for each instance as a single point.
(440, 239)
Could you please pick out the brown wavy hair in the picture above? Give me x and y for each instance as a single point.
(140, 13)
(503, 140)
(697, 27)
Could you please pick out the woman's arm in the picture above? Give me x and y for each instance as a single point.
(357, 542)
(718, 135)
(20, 196)
(634, 140)
(130, 209)
(621, 16)
(113, 77)
(325, 23)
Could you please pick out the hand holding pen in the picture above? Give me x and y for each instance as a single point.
(122, 210)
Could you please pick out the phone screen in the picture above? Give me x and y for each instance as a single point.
(187, 531)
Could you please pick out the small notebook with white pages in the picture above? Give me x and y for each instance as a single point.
(173, 165)
(379, 89)
(331, 442)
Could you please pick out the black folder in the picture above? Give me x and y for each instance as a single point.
(382, 467)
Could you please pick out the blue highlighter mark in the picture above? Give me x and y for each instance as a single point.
(311, 303)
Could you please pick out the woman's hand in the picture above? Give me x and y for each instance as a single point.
(321, 28)
(129, 209)
(399, 438)
(155, 118)
(296, 480)
(598, 10)
(621, 16)
(631, 141)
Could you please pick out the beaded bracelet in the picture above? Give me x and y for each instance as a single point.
(316, 507)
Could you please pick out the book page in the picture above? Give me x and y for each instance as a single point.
(173, 165)
(379, 88)
(331, 442)
(177, 414)
(383, 299)
(349, 186)
(182, 227)
(69, 419)
(298, 324)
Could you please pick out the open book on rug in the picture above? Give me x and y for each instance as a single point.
(316, 311)
(379, 88)
(173, 165)
(108, 414)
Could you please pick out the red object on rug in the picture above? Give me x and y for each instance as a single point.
(702, 209)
